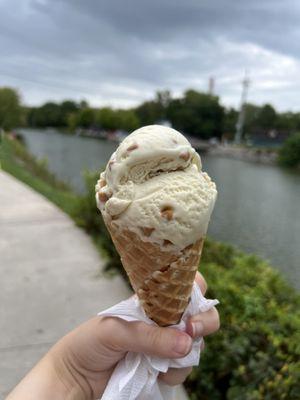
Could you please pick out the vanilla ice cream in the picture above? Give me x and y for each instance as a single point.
(153, 185)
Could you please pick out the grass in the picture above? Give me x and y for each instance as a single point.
(26, 168)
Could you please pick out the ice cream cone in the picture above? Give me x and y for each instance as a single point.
(163, 280)
(156, 202)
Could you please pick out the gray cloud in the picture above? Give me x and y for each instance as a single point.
(119, 52)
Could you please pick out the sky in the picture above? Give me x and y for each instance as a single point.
(120, 52)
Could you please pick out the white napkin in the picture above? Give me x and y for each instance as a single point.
(135, 376)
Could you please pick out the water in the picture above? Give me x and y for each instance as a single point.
(258, 207)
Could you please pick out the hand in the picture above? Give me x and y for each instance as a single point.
(83, 361)
(91, 351)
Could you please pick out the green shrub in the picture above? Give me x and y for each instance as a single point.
(88, 217)
(256, 353)
(289, 154)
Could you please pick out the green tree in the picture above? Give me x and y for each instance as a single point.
(260, 118)
(289, 154)
(83, 104)
(10, 108)
(128, 120)
(67, 107)
(47, 115)
(72, 122)
(151, 112)
(51, 114)
(163, 99)
(288, 121)
(148, 112)
(251, 116)
(106, 118)
(197, 114)
(86, 118)
(267, 117)
(230, 120)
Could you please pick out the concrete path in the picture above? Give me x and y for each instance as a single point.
(51, 279)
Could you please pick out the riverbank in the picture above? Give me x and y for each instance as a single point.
(256, 353)
(254, 155)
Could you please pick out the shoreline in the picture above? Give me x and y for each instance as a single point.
(254, 155)
(265, 156)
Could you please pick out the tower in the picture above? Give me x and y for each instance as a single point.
(211, 86)
(241, 117)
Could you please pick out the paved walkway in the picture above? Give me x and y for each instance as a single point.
(51, 279)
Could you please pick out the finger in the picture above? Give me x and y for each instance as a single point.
(175, 376)
(203, 324)
(140, 337)
(201, 282)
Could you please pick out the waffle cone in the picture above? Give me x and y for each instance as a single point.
(163, 280)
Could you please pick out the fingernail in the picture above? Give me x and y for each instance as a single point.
(183, 344)
(198, 328)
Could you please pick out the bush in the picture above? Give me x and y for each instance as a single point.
(16, 160)
(88, 217)
(256, 353)
(289, 154)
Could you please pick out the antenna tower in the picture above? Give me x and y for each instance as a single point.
(241, 118)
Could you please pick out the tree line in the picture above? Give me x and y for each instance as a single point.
(194, 113)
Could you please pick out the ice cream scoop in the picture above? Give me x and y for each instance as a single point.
(156, 202)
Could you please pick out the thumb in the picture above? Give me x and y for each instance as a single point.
(140, 337)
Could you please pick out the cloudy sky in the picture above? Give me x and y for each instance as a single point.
(119, 52)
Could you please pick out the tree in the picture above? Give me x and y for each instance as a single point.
(151, 112)
(128, 120)
(83, 118)
(47, 115)
(72, 122)
(258, 118)
(106, 118)
(83, 104)
(267, 117)
(251, 115)
(10, 108)
(230, 121)
(163, 99)
(67, 107)
(288, 121)
(86, 118)
(289, 154)
(197, 114)
(51, 114)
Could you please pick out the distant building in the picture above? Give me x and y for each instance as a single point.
(267, 138)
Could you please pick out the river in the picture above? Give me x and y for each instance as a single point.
(258, 206)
